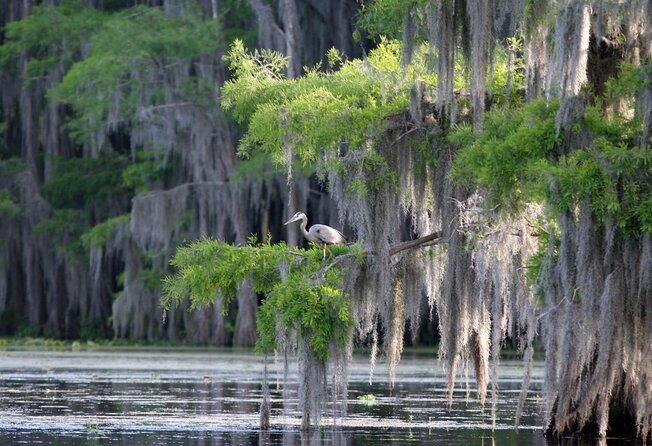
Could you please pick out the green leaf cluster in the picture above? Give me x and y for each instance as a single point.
(10, 166)
(77, 183)
(508, 78)
(318, 111)
(51, 36)
(205, 267)
(100, 234)
(145, 171)
(505, 158)
(378, 172)
(150, 275)
(306, 297)
(549, 242)
(9, 207)
(631, 79)
(320, 311)
(122, 53)
(65, 227)
(515, 160)
(83, 193)
(387, 17)
(614, 173)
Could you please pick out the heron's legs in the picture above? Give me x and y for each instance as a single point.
(326, 249)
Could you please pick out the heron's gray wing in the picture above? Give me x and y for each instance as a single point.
(326, 234)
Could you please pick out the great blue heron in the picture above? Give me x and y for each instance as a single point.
(320, 234)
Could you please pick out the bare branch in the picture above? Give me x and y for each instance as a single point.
(416, 243)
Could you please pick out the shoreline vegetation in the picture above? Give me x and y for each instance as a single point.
(39, 343)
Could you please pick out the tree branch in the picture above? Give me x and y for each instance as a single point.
(416, 243)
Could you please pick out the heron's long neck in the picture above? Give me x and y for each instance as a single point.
(304, 223)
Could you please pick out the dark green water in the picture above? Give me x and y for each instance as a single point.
(159, 397)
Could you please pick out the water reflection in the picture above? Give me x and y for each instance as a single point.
(202, 398)
(289, 438)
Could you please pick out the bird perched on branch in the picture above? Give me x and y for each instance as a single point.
(320, 234)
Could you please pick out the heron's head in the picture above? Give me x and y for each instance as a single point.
(296, 217)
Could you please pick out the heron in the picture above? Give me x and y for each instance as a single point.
(321, 234)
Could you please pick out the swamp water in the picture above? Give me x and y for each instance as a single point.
(193, 397)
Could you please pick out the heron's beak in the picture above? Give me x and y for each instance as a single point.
(292, 220)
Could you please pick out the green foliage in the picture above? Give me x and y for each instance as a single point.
(236, 22)
(515, 161)
(320, 311)
(378, 173)
(129, 44)
(11, 166)
(151, 278)
(79, 182)
(505, 72)
(65, 227)
(130, 58)
(319, 111)
(504, 159)
(631, 79)
(614, 173)
(208, 266)
(387, 17)
(614, 176)
(258, 165)
(147, 169)
(51, 36)
(80, 192)
(368, 399)
(548, 238)
(100, 234)
(262, 64)
(150, 275)
(9, 208)
(92, 329)
(307, 298)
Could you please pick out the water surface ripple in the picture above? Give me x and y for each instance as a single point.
(181, 397)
